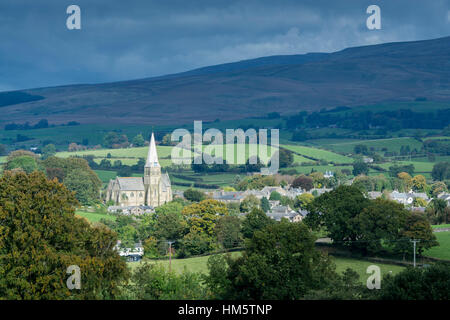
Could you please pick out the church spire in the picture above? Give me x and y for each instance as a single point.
(152, 157)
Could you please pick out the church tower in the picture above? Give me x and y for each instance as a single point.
(152, 177)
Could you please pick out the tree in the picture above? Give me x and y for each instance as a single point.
(406, 180)
(194, 195)
(48, 151)
(202, 216)
(170, 225)
(255, 220)
(26, 163)
(416, 227)
(286, 158)
(438, 211)
(249, 203)
(338, 210)
(265, 205)
(300, 135)
(302, 201)
(167, 140)
(255, 166)
(303, 182)
(360, 167)
(152, 281)
(361, 149)
(41, 238)
(280, 262)
(228, 231)
(274, 196)
(86, 191)
(381, 221)
(437, 188)
(113, 140)
(441, 171)
(419, 183)
(419, 202)
(138, 141)
(430, 283)
(396, 169)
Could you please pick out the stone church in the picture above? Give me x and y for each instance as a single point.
(154, 189)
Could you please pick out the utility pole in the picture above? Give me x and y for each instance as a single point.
(170, 254)
(414, 242)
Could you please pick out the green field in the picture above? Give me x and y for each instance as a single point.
(440, 226)
(318, 154)
(93, 216)
(198, 264)
(105, 175)
(392, 144)
(443, 251)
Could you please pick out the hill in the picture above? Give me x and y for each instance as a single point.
(400, 71)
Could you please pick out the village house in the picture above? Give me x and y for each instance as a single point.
(407, 198)
(131, 254)
(279, 212)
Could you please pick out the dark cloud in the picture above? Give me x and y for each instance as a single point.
(123, 40)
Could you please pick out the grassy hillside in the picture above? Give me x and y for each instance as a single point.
(94, 216)
(318, 154)
(336, 79)
(393, 144)
(443, 251)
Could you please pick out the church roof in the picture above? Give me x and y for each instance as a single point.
(165, 181)
(131, 183)
(152, 157)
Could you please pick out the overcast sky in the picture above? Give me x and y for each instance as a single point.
(122, 40)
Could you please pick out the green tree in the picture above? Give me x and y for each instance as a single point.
(138, 141)
(380, 222)
(202, 216)
(255, 220)
(430, 283)
(419, 183)
(360, 167)
(41, 238)
(286, 158)
(26, 163)
(170, 225)
(280, 262)
(194, 195)
(274, 196)
(441, 171)
(338, 211)
(303, 201)
(48, 151)
(249, 203)
(228, 231)
(86, 191)
(154, 282)
(416, 227)
(114, 140)
(265, 205)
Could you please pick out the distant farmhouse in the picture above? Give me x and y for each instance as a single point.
(152, 190)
